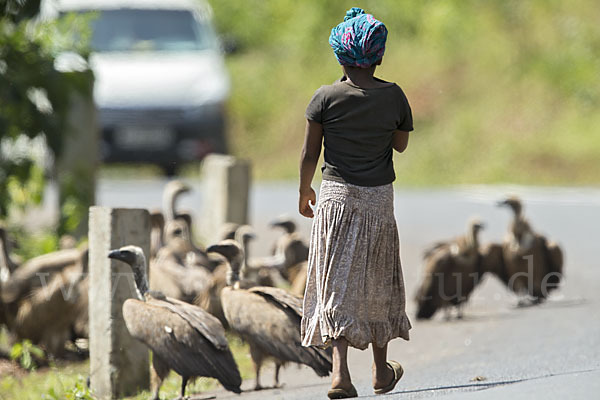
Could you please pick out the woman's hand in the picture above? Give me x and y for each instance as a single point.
(307, 198)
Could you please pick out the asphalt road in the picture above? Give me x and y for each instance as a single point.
(497, 351)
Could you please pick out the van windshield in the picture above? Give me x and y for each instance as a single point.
(148, 30)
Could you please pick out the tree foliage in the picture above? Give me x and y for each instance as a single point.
(35, 96)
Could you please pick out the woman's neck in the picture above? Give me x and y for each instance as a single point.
(361, 77)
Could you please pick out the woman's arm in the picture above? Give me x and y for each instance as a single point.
(400, 141)
(308, 164)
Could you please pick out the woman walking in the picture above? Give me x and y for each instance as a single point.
(355, 289)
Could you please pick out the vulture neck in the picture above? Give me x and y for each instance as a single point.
(472, 240)
(517, 211)
(141, 278)
(243, 241)
(169, 199)
(233, 274)
(6, 264)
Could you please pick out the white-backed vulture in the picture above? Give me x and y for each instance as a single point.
(452, 270)
(182, 337)
(291, 246)
(51, 313)
(7, 263)
(26, 278)
(171, 193)
(267, 318)
(533, 264)
(171, 272)
(263, 271)
(211, 299)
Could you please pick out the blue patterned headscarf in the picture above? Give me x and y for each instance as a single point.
(359, 41)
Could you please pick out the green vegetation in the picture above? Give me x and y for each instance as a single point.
(35, 101)
(501, 90)
(68, 380)
(26, 354)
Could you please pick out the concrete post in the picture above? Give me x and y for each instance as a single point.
(226, 194)
(119, 364)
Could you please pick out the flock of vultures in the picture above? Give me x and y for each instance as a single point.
(194, 294)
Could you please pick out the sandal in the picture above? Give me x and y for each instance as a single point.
(398, 372)
(342, 393)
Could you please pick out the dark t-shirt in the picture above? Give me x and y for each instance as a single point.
(358, 125)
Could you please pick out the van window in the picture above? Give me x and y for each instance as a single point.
(149, 30)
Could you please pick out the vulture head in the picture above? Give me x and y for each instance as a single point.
(513, 202)
(177, 237)
(244, 233)
(476, 225)
(285, 223)
(134, 256)
(228, 230)
(234, 254)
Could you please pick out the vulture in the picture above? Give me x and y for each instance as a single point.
(533, 264)
(45, 299)
(26, 278)
(171, 193)
(182, 337)
(264, 270)
(7, 263)
(211, 299)
(171, 272)
(452, 270)
(291, 247)
(57, 311)
(267, 318)
(294, 250)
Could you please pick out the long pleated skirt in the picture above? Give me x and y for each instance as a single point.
(355, 286)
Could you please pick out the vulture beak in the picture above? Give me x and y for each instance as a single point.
(502, 203)
(122, 255)
(275, 223)
(116, 254)
(215, 248)
(480, 225)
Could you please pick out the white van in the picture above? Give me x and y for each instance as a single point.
(161, 82)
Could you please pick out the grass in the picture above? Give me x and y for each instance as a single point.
(493, 99)
(62, 378)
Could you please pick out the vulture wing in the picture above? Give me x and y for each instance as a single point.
(28, 276)
(202, 321)
(554, 261)
(428, 295)
(269, 318)
(161, 326)
(280, 297)
(492, 261)
(430, 251)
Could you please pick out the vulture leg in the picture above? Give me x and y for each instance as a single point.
(447, 314)
(277, 368)
(184, 380)
(459, 311)
(158, 373)
(257, 360)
